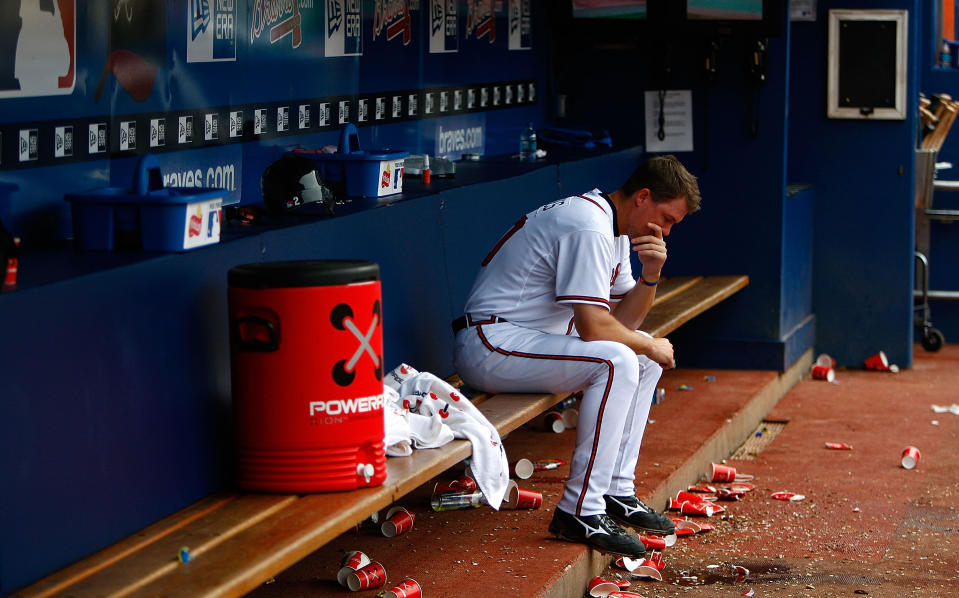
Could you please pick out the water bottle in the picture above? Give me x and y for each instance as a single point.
(527, 144)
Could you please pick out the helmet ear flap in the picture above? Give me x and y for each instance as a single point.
(293, 181)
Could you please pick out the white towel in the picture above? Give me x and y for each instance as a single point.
(430, 396)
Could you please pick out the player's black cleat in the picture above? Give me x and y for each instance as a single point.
(631, 511)
(597, 531)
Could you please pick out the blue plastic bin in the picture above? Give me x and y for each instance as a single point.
(147, 216)
(370, 173)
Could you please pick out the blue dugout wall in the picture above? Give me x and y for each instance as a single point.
(114, 382)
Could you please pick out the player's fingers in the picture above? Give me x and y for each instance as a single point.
(657, 230)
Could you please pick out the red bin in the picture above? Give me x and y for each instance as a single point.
(306, 349)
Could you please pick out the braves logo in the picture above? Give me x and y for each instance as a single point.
(267, 12)
(395, 16)
(480, 20)
(344, 371)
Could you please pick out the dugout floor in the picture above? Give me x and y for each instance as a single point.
(865, 527)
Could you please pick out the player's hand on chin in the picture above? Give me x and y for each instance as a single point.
(650, 249)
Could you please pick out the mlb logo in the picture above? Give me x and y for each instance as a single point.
(128, 136)
(397, 106)
(428, 103)
(380, 108)
(458, 100)
(484, 97)
(470, 99)
(391, 177)
(520, 92)
(157, 132)
(497, 95)
(236, 124)
(211, 127)
(185, 130)
(444, 101)
(344, 112)
(28, 149)
(97, 141)
(411, 107)
(38, 51)
(259, 121)
(532, 91)
(303, 117)
(363, 110)
(325, 114)
(509, 94)
(282, 119)
(63, 142)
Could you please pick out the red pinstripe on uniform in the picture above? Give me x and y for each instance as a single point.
(592, 201)
(602, 404)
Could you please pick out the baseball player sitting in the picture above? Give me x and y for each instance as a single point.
(555, 308)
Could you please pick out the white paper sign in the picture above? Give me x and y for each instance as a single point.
(677, 121)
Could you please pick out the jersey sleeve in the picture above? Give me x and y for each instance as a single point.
(583, 268)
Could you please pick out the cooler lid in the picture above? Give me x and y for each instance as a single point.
(302, 273)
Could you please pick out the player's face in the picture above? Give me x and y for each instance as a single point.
(664, 214)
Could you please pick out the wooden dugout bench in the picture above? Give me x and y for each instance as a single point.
(237, 541)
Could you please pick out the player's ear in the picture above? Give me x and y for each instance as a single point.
(641, 196)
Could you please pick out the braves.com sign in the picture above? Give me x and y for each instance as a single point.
(38, 48)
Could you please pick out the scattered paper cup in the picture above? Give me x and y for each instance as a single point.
(408, 588)
(699, 508)
(521, 498)
(522, 468)
(821, 372)
(790, 496)
(722, 473)
(826, 360)
(910, 457)
(623, 594)
(351, 562)
(683, 496)
(553, 422)
(686, 525)
(627, 563)
(398, 521)
(839, 446)
(877, 362)
(371, 576)
(600, 588)
(653, 542)
(651, 567)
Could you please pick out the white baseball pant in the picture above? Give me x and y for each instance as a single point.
(618, 390)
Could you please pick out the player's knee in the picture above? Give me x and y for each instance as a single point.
(624, 367)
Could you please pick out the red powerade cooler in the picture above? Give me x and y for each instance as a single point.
(306, 349)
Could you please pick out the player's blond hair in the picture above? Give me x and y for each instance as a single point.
(666, 178)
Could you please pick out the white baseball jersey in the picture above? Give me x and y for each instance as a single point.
(565, 252)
